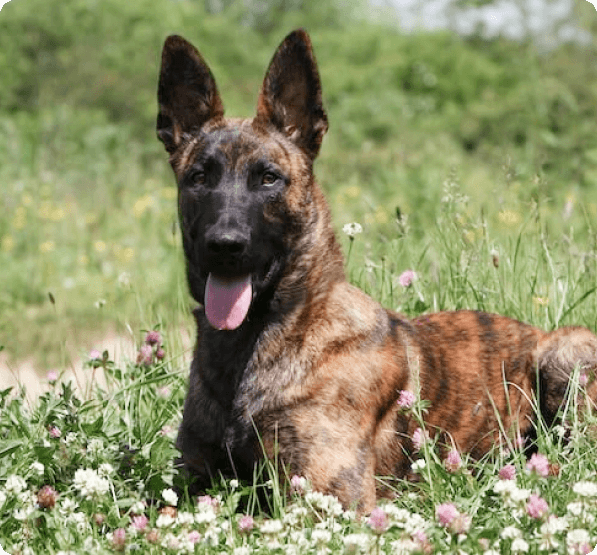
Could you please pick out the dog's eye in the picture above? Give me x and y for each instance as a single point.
(198, 177)
(268, 179)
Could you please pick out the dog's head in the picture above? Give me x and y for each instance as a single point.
(245, 185)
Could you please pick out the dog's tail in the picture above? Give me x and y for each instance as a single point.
(565, 356)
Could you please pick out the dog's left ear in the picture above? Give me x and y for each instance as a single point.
(187, 93)
(290, 98)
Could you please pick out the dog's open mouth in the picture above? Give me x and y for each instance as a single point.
(227, 300)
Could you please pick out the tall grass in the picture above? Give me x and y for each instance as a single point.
(92, 471)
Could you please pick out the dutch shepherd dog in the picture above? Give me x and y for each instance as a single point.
(291, 360)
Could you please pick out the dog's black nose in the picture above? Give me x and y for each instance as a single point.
(227, 243)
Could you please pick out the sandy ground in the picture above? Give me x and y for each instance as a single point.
(27, 373)
(120, 348)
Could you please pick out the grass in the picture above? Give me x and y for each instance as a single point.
(94, 476)
(92, 470)
(471, 164)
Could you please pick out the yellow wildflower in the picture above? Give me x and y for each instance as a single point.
(47, 246)
(509, 217)
(99, 246)
(8, 243)
(540, 301)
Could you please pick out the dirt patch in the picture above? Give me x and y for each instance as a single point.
(34, 378)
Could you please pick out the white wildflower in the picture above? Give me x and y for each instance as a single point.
(170, 497)
(405, 546)
(357, 543)
(23, 514)
(184, 518)
(321, 537)
(352, 229)
(138, 508)
(80, 521)
(585, 489)
(575, 508)
(37, 468)
(2, 498)
(205, 516)
(418, 465)
(510, 533)
(70, 438)
(243, 550)
(271, 527)
(89, 483)
(326, 503)
(67, 506)
(233, 484)
(576, 540)
(519, 546)
(14, 484)
(164, 521)
(511, 493)
(95, 447)
(105, 470)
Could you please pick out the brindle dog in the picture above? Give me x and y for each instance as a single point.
(293, 361)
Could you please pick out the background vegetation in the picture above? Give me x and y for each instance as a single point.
(496, 137)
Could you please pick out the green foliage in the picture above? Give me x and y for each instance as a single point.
(90, 205)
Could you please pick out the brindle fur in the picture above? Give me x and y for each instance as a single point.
(313, 373)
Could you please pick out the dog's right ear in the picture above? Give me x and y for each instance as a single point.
(187, 93)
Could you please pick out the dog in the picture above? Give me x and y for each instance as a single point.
(291, 360)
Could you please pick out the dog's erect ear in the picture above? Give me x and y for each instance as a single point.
(290, 98)
(187, 93)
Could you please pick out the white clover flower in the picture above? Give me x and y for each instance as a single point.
(405, 546)
(164, 521)
(184, 518)
(576, 539)
(23, 514)
(519, 546)
(585, 489)
(511, 493)
(170, 497)
(418, 465)
(95, 447)
(321, 536)
(576, 508)
(14, 484)
(233, 484)
(510, 533)
(295, 516)
(138, 508)
(548, 531)
(105, 470)
(70, 438)
(555, 525)
(357, 543)
(273, 526)
(205, 516)
(352, 229)
(89, 483)
(170, 541)
(37, 468)
(243, 550)
(80, 521)
(67, 506)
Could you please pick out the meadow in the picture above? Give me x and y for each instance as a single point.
(471, 167)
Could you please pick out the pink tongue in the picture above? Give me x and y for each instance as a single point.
(227, 301)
